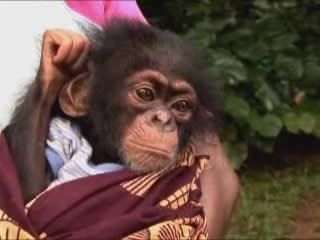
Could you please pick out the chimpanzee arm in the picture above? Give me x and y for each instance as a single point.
(63, 56)
(26, 136)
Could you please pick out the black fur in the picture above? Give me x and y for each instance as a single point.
(120, 50)
(123, 48)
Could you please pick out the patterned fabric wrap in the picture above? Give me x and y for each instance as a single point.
(115, 205)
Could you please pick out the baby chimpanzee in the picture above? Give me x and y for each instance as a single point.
(141, 99)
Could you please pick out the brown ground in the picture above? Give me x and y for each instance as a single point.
(308, 218)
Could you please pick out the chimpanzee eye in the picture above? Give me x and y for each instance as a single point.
(145, 94)
(182, 106)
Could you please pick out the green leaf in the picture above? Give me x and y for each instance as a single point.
(316, 130)
(264, 144)
(202, 34)
(230, 67)
(288, 67)
(200, 37)
(251, 50)
(291, 122)
(236, 35)
(198, 10)
(262, 4)
(269, 125)
(307, 122)
(310, 105)
(289, 3)
(229, 132)
(237, 107)
(257, 75)
(269, 27)
(219, 24)
(312, 74)
(237, 152)
(284, 41)
(268, 96)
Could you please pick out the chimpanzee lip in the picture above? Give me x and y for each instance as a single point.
(152, 148)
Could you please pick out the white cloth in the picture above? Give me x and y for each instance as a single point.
(68, 153)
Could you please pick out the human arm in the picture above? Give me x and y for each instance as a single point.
(220, 187)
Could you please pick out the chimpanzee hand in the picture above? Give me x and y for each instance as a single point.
(64, 55)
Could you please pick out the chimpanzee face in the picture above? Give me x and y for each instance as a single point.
(140, 101)
(161, 110)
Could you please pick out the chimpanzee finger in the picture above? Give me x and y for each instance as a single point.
(82, 59)
(64, 44)
(79, 43)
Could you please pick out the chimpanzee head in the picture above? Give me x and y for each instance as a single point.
(145, 94)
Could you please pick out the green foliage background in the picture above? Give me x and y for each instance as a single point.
(266, 56)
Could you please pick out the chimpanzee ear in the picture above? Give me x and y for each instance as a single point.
(73, 97)
(205, 113)
(206, 121)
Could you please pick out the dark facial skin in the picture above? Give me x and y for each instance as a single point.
(162, 108)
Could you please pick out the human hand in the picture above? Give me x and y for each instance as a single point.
(220, 184)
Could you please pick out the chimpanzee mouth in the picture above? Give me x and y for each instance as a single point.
(147, 159)
(153, 149)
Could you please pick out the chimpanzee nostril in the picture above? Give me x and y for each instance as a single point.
(162, 117)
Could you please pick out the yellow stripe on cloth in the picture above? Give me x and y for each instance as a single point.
(10, 230)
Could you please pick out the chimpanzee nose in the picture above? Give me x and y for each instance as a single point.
(162, 120)
(162, 116)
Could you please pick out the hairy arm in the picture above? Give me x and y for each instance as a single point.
(26, 136)
(63, 55)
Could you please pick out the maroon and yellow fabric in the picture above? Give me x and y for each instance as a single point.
(118, 205)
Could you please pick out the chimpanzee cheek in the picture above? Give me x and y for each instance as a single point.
(145, 149)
